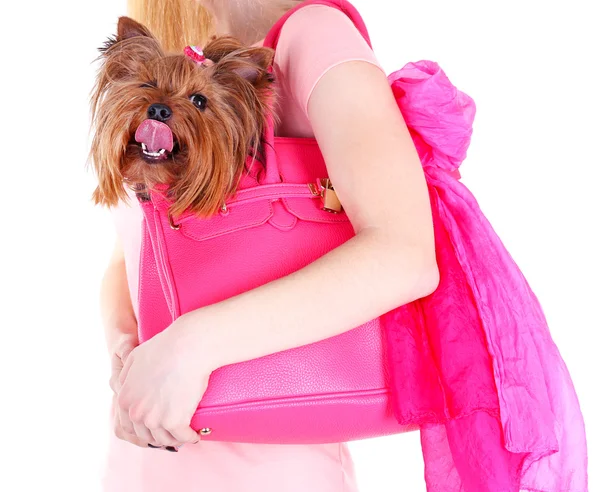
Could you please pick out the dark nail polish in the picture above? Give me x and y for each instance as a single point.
(152, 446)
(172, 449)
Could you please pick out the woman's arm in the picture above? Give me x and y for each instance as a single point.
(116, 310)
(120, 328)
(379, 179)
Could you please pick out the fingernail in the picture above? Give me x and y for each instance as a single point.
(171, 448)
(152, 446)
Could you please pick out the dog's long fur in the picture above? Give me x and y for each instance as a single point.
(211, 144)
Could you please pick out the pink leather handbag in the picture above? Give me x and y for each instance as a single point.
(335, 390)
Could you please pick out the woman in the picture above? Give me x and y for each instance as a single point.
(392, 253)
(473, 363)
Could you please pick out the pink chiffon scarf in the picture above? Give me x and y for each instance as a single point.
(474, 363)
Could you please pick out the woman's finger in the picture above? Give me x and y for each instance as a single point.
(125, 420)
(126, 350)
(118, 429)
(113, 382)
(125, 369)
(184, 433)
(143, 433)
(123, 409)
(115, 369)
(130, 438)
(164, 437)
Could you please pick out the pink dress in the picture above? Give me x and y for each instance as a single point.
(243, 467)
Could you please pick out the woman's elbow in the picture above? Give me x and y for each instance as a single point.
(431, 279)
(413, 261)
(427, 272)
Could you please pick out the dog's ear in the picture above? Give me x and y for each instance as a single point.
(126, 28)
(218, 47)
(124, 54)
(129, 28)
(253, 63)
(231, 56)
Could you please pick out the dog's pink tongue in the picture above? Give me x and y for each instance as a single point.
(155, 135)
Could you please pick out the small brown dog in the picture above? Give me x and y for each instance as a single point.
(169, 118)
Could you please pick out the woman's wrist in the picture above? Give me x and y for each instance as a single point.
(120, 332)
(194, 332)
(118, 318)
(122, 344)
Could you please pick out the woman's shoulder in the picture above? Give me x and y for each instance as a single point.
(329, 15)
(313, 40)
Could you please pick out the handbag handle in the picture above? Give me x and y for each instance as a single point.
(272, 174)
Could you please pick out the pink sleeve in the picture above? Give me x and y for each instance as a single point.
(314, 39)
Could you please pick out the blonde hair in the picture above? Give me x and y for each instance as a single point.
(178, 23)
(175, 23)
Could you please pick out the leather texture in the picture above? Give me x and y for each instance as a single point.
(335, 390)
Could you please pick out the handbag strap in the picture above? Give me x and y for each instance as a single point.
(272, 174)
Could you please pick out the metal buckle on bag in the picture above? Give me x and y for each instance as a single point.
(174, 226)
(329, 199)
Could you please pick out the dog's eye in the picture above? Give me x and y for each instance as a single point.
(199, 100)
(147, 85)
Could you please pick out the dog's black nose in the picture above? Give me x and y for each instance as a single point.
(160, 112)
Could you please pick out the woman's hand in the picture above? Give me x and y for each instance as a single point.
(120, 326)
(160, 386)
(118, 354)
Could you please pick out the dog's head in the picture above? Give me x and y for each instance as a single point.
(165, 118)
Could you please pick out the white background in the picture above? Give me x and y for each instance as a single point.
(532, 69)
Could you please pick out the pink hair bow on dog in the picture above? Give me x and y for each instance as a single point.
(196, 54)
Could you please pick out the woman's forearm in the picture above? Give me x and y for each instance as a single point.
(116, 309)
(361, 279)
